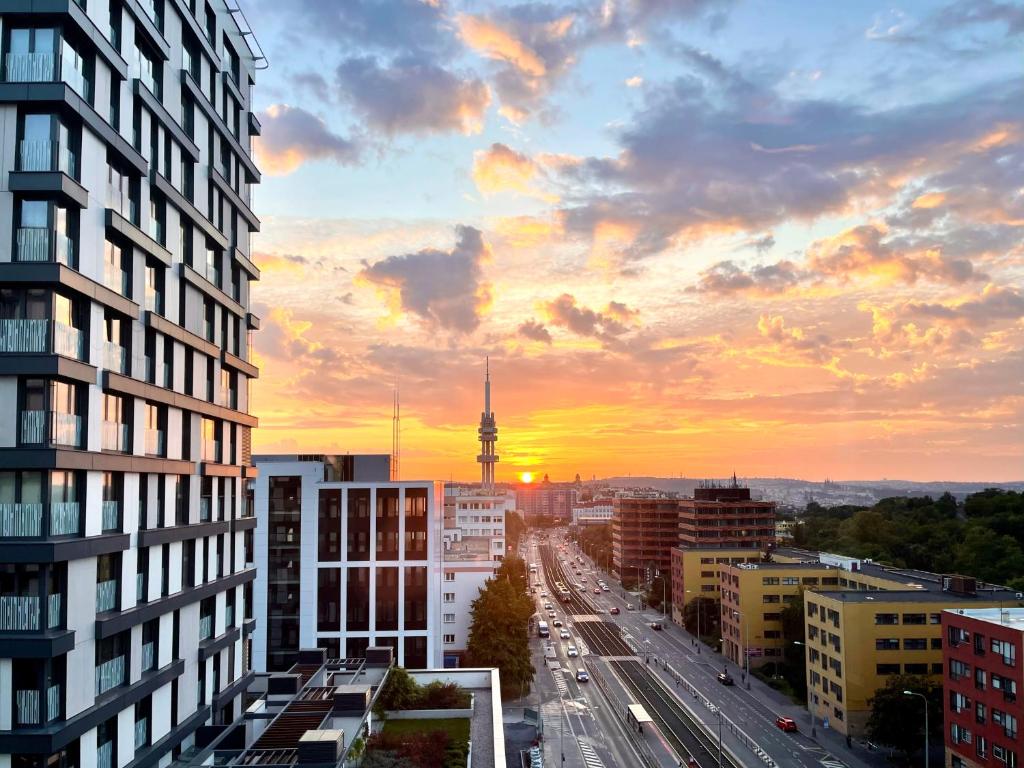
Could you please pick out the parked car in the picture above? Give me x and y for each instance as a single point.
(787, 724)
(564, 634)
(582, 676)
(725, 678)
(572, 650)
(614, 610)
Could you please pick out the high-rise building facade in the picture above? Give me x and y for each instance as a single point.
(346, 559)
(644, 531)
(726, 516)
(546, 503)
(124, 369)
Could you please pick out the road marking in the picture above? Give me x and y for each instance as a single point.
(589, 755)
(831, 762)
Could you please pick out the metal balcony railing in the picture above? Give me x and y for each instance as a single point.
(19, 613)
(115, 436)
(111, 515)
(110, 674)
(106, 595)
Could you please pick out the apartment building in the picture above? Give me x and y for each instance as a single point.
(983, 674)
(753, 596)
(725, 516)
(597, 512)
(696, 572)
(474, 546)
(124, 369)
(643, 534)
(345, 560)
(856, 639)
(546, 502)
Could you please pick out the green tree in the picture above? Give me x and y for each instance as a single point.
(515, 530)
(897, 720)
(988, 555)
(710, 614)
(794, 657)
(498, 629)
(660, 586)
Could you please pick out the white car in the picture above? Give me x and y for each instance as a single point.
(572, 651)
(604, 588)
(564, 634)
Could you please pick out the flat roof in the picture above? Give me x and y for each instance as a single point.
(639, 714)
(784, 566)
(919, 596)
(1003, 617)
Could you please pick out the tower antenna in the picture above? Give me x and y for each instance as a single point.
(488, 433)
(396, 437)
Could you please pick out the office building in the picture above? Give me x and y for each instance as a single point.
(725, 516)
(546, 503)
(983, 675)
(643, 534)
(319, 712)
(345, 560)
(598, 512)
(474, 546)
(124, 370)
(696, 573)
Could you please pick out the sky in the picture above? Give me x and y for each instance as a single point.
(693, 236)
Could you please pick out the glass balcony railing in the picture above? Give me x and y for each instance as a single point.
(111, 515)
(21, 520)
(63, 518)
(155, 442)
(205, 627)
(205, 507)
(53, 605)
(229, 616)
(115, 279)
(141, 732)
(26, 706)
(114, 356)
(51, 428)
(106, 595)
(19, 613)
(54, 695)
(148, 656)
(211, 450)
(150, 301)
(74, 77)
(30, 67)
(32, 335)
(140, 588)
(115, 436)
(46, 156)
(105, 755)
(34, 244)
(110, 674)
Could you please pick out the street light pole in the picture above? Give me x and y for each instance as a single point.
(691, 592)
(718, 711)
(925, 700)
(746, 646)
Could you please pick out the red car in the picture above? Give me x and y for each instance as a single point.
(787, 724)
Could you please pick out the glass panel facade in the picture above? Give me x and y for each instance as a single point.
(283, 542)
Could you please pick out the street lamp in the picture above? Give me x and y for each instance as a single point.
(925, 700)
(810, 705)
(718, 711)
(746, 646)
(691, 592)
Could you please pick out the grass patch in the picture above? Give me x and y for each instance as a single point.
(457, 728)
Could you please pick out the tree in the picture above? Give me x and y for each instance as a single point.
(710, 613)
(515, 529)
(794, 657)
(897, 720)
(660, 586)
(498, 628)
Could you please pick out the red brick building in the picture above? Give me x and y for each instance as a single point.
(643, 534)
(983, 677)
(726, 517)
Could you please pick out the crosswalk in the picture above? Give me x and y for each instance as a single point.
(560, 683)
(590, 757)
(831, 762)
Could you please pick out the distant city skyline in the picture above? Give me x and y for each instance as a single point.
(692, 237)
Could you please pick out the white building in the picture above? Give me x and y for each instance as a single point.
(592, 513)
(474, 546)
(345, 560)
(125, 207)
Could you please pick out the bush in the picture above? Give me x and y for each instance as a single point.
(401, 692)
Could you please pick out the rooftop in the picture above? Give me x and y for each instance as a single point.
(921, 596)
(1003, 617)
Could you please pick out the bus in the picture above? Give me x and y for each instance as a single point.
(542, 629)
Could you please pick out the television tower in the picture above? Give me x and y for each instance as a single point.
(488, 436)
(396, 437)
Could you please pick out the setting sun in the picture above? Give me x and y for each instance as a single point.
(526, 477)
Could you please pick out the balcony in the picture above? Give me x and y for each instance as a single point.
(155, 442)
(211, 450)
(110, 674)
(19, 613)
(205, 627)
(148, 656)
(46, 156)
(229, 616)
(205, 507)
(140, 588)
(37, 244)
(105, 755)
(111, 515)
(107, 595)
(115, 437)
(115, 279)
(114, 357)
(141, 733)
(51, 428)
(32, 336)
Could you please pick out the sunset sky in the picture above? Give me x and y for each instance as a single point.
(694, 236)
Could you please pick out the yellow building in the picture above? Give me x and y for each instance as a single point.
(695, 573)
(753, 596)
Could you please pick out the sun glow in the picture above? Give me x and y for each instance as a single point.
(526, 477)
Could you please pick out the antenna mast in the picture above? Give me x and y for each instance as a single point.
(396, 437)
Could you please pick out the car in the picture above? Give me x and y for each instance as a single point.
(629, 606)
(543, 594)
(564, 634)
(551, 614)
(725, 678)
(787, 724)
(614, 610)
(604, 588)
(582, 676)
(657, 626)
(597, 590)
(558, 622)
(572, 650)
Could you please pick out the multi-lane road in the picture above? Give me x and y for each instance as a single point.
(673, 656)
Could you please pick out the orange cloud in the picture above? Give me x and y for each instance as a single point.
(500, 168)
(929, 200)
(490, 40)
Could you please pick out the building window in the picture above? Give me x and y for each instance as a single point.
(915, 618)
(449, 639)
(449, 597)
(1007, 650)
(887, 618)
(449, 618)
(915, 644)
(328, 597)
(449, 576)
